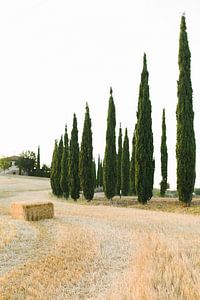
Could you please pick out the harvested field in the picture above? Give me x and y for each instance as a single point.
(95, 252)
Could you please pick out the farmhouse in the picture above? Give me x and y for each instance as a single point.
(13, 169)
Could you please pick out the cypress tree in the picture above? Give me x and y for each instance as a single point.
(94, 174)
(86, 159)
(99, 173)
(119, 162)
(53, 174)
(38, 162)
(125, 166)
(164, 158)
(144, 165)
(74, 162)
(110, 160)
(64, 179)
(58, 172)
(185, 145)
(132, 167)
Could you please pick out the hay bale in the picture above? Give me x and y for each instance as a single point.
(32, 211)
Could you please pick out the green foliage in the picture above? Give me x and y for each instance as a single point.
(100, 173)
(144, 164)
(74, 162)
(164, 158)
(45, 171)
(86, 159)
(5, 163)
(58, 173)
(64, 178)
(185, 146)
(119, 161)
(53, 175)
(197, 191)
(125, 166)
(110, 160)
(56, 168)
(94, 174)
(38, 163)
(27, 162)
(132, 167)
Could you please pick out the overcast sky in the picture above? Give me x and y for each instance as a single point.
(56, 55)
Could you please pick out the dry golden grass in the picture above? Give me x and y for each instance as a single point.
(159, 272)
(99, 252)
(156, 204)
(64, 266)
(8, 232)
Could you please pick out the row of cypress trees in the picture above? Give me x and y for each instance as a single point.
(72, 170)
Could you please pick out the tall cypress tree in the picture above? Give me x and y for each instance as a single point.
(58, 172)
(132, 167)
(38, 162)
(164, 158)
(110, 160)
(74, 162)
(144, 164)
(86, 159)
(119, 161)
(64, 179)
(53, 173)
(125, 166)
(185, 146)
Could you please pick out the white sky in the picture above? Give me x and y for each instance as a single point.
(56, 55)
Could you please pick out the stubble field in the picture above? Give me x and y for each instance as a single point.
(95, 252)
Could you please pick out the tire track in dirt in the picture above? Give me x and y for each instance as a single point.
(111, 260)
(35, 240)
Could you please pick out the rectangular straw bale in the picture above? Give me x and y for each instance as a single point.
(32, 211)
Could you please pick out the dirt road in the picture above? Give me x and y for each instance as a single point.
(90, 252)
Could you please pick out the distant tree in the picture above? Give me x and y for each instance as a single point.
(144, 141)
(119, 162)
(185, 145)
(86, 159)
(54, 167)
(132, 167)
(125, 166)
(27, 162)
(110, 157)
(99, 173)
(38, 162)
(98, 170)
(74, 162)
(5, 163)
(45, 171)
(164, 158)
(64, 179)
(94, 174)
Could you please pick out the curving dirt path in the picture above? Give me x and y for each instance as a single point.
(90, 252)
